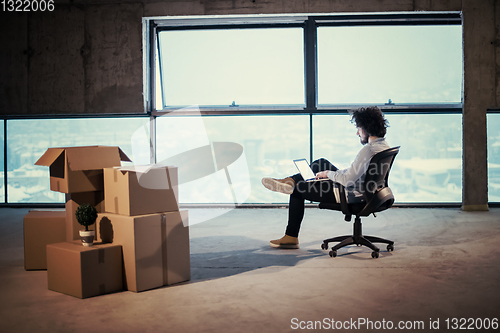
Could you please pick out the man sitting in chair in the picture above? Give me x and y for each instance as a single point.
(372, 127)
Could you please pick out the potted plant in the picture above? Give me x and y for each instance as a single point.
(86, 215)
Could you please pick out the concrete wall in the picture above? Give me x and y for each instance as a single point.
(86, 57)
(77, 59)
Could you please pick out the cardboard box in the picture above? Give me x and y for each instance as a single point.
(140, 237)
(176, 250)
(79, 169)
(84, 271)
(155, 247)
(40, 229)
(140, 190)
(73, 201)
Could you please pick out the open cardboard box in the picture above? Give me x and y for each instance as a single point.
(79, 169)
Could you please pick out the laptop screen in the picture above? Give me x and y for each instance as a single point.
(304, 168)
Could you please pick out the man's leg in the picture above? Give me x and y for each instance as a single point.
(319, 191)
(322, 165)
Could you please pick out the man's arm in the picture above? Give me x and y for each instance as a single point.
(348, 176)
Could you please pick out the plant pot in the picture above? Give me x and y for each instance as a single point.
(87, 237)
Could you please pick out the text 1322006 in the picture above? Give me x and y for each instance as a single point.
(28, 5)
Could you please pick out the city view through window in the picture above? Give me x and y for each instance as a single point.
(427, 169)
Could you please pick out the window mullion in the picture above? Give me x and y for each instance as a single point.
(310, 65)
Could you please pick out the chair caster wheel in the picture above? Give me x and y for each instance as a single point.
(390, 247)
(375, 254)
(333, 253)
(324, 246)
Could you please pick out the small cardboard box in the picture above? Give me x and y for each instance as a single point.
(73, 201)
(79, 169)
(84, 271)
(40, 229)
(140, 190)
(155, 247)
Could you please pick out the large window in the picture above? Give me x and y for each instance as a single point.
(264, 63)
(27, 140)
(287, 82)
(235, 67)
(390, 64)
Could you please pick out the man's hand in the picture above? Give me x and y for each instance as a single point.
(322, 175)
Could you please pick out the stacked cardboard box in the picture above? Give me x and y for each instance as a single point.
(84, 271)
(142, 215)
(77, 172)
(138, 215)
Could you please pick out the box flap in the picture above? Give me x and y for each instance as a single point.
(123, 156)
(49, 156)
(140, 168)
(94, 157)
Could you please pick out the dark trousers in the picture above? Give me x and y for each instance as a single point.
(319, 191)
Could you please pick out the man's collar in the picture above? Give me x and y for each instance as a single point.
(377, 139)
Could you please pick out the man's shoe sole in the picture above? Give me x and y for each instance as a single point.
(284, 246)
(276, 186)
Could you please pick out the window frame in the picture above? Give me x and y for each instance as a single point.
(309, 23)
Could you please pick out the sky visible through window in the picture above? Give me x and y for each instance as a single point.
(247, 66)
(356, 65)
(407, 64)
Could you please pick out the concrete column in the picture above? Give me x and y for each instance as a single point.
(478, 96)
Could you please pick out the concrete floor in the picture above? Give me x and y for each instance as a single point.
(445, 265)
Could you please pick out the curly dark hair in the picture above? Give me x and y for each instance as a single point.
(371, 119)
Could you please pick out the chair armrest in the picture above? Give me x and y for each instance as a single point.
(343, 199)
(382, 200)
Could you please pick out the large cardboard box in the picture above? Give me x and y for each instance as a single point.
(73, 201)
(79, 169)
(40, 229)
(155, 247)
(140, 237)
(140, 190)
(176, 249)
(84, 271)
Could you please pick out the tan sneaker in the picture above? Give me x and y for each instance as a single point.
(284, 186)
(285, 242)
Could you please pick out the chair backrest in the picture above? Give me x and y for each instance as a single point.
(376, 190)
(377, 174)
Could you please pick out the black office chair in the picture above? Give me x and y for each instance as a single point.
(377, 197)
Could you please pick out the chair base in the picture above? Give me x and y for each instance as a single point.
(358, 239)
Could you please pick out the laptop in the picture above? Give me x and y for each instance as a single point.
(305, 170)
